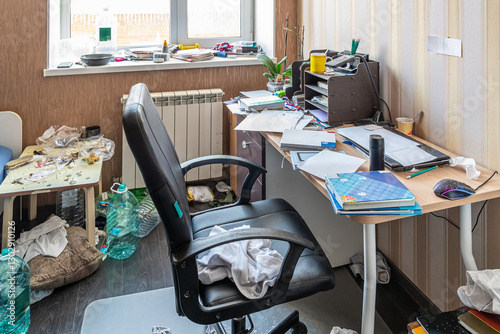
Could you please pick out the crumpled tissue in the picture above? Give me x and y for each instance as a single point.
(482, 291)
(338, 330)
(468, 164)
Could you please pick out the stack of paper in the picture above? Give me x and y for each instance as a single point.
(274, 121)
(370, 193)
(193, 55)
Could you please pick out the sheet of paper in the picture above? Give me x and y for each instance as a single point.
(270, 121)
(303, 122)
(443, 45)
(328, 162)
(320, 114)
(411, 156)
(257, 93)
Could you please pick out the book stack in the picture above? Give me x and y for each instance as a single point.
(370, 193)
(192, 55)
(477, 322)
(261, 103)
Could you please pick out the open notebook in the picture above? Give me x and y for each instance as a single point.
(402, 152)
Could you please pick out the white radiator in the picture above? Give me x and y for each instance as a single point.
(193, 120)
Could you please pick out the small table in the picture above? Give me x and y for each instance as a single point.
(87, 177)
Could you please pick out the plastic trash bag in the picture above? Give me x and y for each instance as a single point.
(200, 194)
(482, 291)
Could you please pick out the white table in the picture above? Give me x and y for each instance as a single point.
(87, 177)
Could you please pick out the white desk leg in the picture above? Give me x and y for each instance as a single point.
(466, 237)
(370, 284)
(90, 214)
(8, 208)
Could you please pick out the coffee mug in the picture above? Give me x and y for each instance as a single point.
(318, 61)
(91, 131)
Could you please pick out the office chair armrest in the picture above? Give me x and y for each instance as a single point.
(201, 245)
(254, 170)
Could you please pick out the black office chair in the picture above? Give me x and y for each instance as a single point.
(305, 269)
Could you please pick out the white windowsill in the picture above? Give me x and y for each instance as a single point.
(146, 65)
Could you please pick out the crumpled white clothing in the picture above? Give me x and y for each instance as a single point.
(48, 238)
(482, 291)
(251, 264)
(468, 164)
(338, 330)
(383, 270)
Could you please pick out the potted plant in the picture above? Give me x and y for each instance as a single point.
(276, 77)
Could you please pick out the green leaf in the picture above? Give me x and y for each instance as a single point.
(268, 63)
(269, 76)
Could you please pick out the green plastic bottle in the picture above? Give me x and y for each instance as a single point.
(122, 224)
(14, 293)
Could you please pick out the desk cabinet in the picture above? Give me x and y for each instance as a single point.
(250, 145)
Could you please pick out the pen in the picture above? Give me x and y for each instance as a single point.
(422, 171)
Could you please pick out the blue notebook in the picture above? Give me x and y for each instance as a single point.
(369, 190)
(395, 211)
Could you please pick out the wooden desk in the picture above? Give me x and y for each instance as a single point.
(89, 178)
(422, 187)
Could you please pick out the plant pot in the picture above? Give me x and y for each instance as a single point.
(272, 86)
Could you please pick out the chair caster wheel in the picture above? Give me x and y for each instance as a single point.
(299, 328)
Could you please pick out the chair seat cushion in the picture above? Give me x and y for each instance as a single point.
(5, 156)
(313, 272)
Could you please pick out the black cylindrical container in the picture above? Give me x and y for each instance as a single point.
(377, 152)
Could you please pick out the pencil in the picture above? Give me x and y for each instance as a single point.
(421, 172)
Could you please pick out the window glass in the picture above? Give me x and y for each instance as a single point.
(144, 22)
(216, 18)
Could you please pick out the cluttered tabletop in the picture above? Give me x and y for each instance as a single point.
(49, 167)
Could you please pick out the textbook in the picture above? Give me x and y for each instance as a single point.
(369, 190)
(395, 211)
(261, 103)
(303, 139)
(475, 325)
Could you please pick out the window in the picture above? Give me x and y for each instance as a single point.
(78, 27)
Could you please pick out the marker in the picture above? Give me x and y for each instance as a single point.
(421, 172)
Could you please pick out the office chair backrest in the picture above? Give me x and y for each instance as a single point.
(159, 164)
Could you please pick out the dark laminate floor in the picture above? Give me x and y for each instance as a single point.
(148, 269)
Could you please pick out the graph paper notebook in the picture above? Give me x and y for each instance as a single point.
(370, 190)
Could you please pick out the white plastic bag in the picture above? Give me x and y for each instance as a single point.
(482, 291)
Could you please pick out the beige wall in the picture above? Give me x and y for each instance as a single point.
(460, 98)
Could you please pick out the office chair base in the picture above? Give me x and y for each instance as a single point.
(290, 322)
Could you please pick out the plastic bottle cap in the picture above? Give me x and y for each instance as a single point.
(6, 251)
(122, 188)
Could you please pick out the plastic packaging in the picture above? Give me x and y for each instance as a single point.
(200, 194)
(98, 146)
(101, 203)
(122, 224)
(59, 136)
(14, 293)
(148, 216)
(70, 206)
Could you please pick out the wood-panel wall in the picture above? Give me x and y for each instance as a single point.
(95, 99)
(460, 98)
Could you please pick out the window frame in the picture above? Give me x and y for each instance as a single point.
(181, 29)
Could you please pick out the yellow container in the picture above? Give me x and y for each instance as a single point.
(405, 125)
(318, 61)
